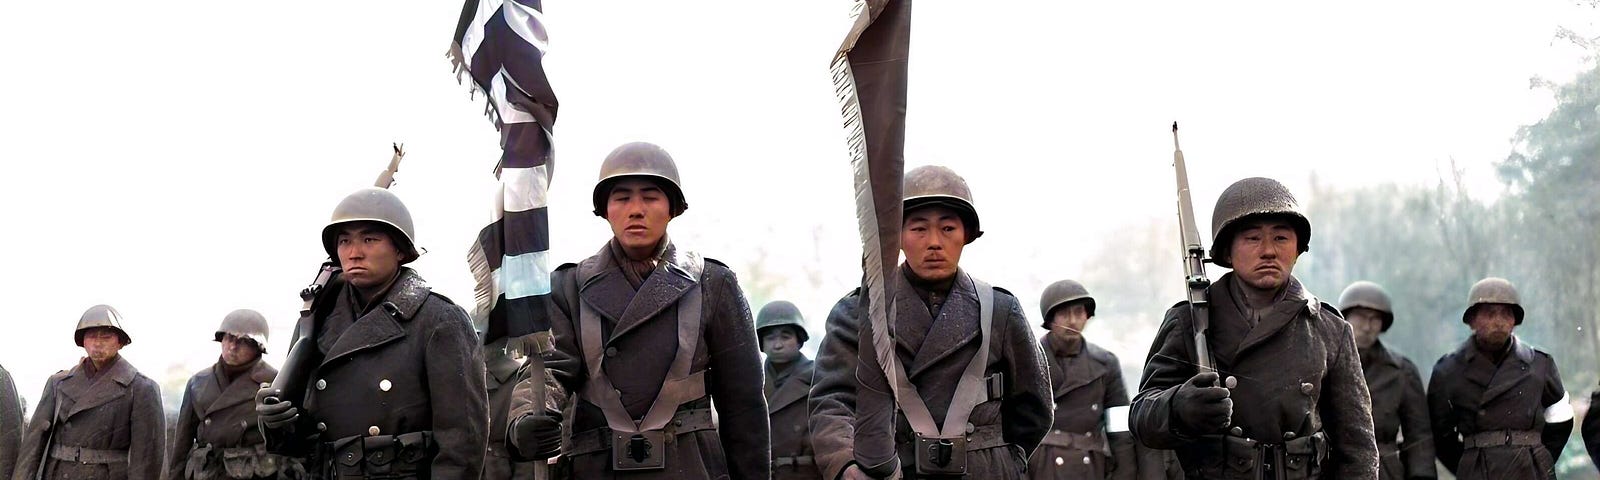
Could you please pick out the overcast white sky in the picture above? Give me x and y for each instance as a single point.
(177, 159)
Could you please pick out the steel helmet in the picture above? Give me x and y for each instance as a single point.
(639, 159)
(936, 185)
(1248, 198)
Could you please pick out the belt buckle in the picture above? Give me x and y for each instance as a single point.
(645, 450)
(941, 455)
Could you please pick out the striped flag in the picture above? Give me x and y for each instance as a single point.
(500, 45)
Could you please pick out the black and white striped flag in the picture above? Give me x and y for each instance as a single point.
(500, 44)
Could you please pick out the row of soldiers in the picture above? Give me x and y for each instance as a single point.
(655, 371)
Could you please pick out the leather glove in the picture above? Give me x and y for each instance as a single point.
(538, 436)
(274, 415)
(1201, 406)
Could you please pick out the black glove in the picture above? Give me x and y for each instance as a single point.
(537, 436)
(274, 415)
(1202, 407)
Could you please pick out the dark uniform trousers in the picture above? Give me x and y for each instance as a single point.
(217, 435)
(792, 458)
(1488, 419)
(637, 345)
(852, 407)
(107, 427)
(1301, 408)
(1088, 383)
(399, 392)
(1399, 415)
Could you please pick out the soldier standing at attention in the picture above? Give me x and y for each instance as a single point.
(1287, 400)
(1399, 407)
(1498, 407)
(964, 349)
(1090, 438)
(788, 372)
(217, 435)
(102, 419)
(398, 391)
(647, 336)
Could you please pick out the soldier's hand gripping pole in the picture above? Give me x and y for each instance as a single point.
(1194, 261)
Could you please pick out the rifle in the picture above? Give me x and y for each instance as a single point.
(304, 354)
(386, 177)
(1194, 261)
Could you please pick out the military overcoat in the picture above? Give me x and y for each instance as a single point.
(1087, 384)
(408, 363)
(11, 424)
(851, 397)
(217, 434)
(1399, 415)
(1468, 394)
(639, 331)
(1298, 374)
(789, 415)
(114, 420)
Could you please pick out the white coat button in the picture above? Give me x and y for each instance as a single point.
(372, 430)
(1086, 460)
(385, 385)
(1060, 462)
(322, 384)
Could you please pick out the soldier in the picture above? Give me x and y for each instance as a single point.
(955, 334)
(501, 368)
(1399, 408)
(1499, 410)
(1090, 438)
(217, 435)
(11, 424)
(100, 420)
(398, 389)
(789, 373)
(1289, 361)
(647, 336)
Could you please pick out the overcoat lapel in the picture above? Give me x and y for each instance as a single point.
(956, 326)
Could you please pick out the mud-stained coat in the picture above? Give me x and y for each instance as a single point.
(1087, 383)
(1468, 394)
(410, 363)
(221, 414)
(11, 424)
(1399, 409)
(789, 415)
(640, 334)
(118, 409)
(500, 464)
(1298, 373)
(934, 353)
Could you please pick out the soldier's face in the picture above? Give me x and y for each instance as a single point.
(238, 351)
(370, 259)
(1068, 322)
(1263, 253)
(781, 345)
(638, 212)
(1492, 324)
(932, 238)
(101, 344)
(1367, 325)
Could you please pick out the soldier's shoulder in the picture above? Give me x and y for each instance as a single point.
(565, 267)
(1099, 353)
(60, 374)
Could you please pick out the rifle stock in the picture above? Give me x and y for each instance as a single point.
(1194, 261)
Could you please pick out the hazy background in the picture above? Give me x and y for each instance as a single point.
(177, 160)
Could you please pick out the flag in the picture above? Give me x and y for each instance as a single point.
(870, 75)
(500, 45)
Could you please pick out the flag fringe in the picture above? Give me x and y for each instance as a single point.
(458, 65)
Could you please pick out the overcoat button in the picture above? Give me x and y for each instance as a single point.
(322, 384)
(611, 352)
(373, 430)
(385, 385)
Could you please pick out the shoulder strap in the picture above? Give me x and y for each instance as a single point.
(968, 392)
(678, 388)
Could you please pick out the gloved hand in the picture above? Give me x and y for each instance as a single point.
(538, 436)
(278, 414)
(1201, 406)
(853, 472)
